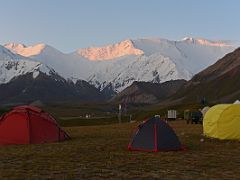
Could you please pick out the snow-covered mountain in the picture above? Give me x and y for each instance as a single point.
(6, 54)
(23, 80)
(70, 66)
(12, 69)
(28, 81)
(14, 65)
(162, 60)
(151, 60)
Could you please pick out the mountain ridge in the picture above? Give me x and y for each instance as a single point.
(219, 83)
(147, 92)
(147, 59)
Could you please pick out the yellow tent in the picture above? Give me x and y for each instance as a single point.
(223, 122)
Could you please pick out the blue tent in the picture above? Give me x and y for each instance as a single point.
(155, 135)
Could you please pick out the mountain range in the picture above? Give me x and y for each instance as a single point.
(151, 60)
(108, 69)
(218, 83)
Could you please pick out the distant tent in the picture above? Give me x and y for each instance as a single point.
(205, 110)
(237, 102)
(29, 125)
(155, 135)
(223, 122)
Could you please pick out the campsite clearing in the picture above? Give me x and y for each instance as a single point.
(101, 152)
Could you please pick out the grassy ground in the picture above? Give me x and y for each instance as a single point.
(100, 152)
(79, 121)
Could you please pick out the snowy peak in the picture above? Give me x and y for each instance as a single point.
(12, 69)
(15, 46)
(205, 42)
(26, 51)
(110, 52)
(6, 54)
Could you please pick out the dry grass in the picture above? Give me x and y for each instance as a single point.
(96, 152)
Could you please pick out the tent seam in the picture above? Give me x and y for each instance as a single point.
(29, 128)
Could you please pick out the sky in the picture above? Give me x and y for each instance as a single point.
(71, 24)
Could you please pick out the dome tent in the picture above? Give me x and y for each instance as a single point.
(237, 102)
(223, 122)
(205, 110)
(154, 135)
(29, 125)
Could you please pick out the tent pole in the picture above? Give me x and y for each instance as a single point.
(155, 137)
(120, 114)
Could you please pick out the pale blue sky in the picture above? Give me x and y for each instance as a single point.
(71, 24)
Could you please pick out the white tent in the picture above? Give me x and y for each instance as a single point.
(204, 110)
(237, 102)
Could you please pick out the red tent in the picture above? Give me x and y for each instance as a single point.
(29, 125)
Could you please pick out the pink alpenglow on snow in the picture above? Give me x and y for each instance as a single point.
(25, 51)
(110, 52)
